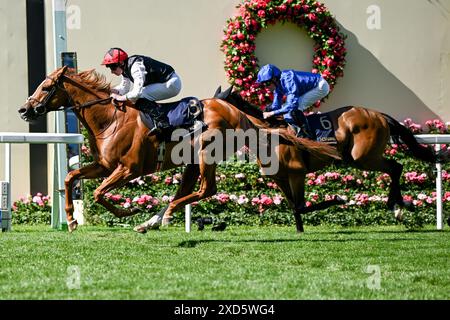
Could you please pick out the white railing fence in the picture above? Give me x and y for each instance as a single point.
(36, 138)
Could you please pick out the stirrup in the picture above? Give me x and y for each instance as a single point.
(300, 132)
(154, 131)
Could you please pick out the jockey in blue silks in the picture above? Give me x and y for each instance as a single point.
(301, 89)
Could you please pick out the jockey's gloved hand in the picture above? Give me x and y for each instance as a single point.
(118, 97)
(268, 108)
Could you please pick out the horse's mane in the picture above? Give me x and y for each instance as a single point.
(94, 80)
(245, 106)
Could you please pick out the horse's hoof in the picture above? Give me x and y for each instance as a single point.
(72, 225)
(154, 222)
(135, 210)
(341, 199)
(166, 221)
(398, 213)
(140, 229)
(220, 227)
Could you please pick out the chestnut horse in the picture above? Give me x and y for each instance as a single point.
(123, 150)
(361, 135)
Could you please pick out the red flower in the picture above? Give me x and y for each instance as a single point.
(312, 17)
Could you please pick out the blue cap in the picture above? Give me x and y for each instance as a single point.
(268, 72)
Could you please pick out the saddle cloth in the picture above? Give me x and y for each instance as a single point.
(182, 113)
(322, 125)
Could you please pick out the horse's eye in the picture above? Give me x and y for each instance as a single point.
(46, 89)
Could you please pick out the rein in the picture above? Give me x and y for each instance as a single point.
(83, 87)
(100, 100)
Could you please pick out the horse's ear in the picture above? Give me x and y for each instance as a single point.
(63, 70)
(227, 92)
(218, 91)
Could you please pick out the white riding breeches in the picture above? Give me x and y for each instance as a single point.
(314, 95)
(162, 91)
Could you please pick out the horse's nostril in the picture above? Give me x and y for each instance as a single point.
(40, 109)
(22, 110)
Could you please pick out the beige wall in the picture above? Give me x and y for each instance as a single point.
(402, 69)
(14, 89)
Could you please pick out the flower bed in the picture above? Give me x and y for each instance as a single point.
(244, 197)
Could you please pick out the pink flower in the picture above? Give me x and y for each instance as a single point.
(222, 197)
(265, 200)
(447, 196)
(277, 199)
(407, 198)
(242, 199)
(255, 201)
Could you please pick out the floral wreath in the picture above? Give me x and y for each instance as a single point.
(238, 43)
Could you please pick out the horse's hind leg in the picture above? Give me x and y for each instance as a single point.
(394, 170)
(188, 181)
(91, 171)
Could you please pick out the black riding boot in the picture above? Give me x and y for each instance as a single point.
(161, 123)
(304, 131)
(153, 109)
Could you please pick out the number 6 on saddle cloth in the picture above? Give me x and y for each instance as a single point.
(161, 118)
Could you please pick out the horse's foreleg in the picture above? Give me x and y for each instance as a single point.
(294, 202)
(91, 171)
(188, 181)
(117, 179)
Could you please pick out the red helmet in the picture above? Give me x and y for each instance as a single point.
(114, 55)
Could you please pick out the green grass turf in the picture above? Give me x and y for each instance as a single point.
(240, 263)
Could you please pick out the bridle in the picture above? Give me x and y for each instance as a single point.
(41, 107)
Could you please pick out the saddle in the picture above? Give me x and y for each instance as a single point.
(186, 113)
(320, 125)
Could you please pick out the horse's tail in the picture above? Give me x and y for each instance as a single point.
(400, 134)
(318, 149)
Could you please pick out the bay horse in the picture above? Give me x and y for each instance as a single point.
(361, 138)
(123, 149)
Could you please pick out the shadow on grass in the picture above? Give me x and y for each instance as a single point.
(194, 243)
(412, 231)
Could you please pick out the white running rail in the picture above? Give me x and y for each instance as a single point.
(37, 138)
